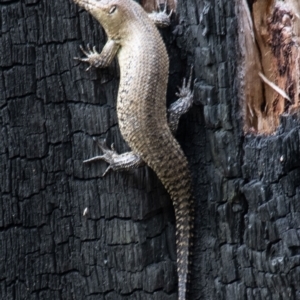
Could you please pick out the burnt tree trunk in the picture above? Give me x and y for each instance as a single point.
(68, 233)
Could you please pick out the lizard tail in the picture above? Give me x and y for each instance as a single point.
(184, 226)
(172, 169)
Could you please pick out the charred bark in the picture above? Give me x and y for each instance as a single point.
(67, 233)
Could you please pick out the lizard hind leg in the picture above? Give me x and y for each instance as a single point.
(117, 162)
(182, 105)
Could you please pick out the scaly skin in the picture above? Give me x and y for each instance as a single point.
(141, 107)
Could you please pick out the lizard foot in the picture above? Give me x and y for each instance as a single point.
(185, 90)
(161, 18)
(117, 162)
(92, 56)
(182, 105)
(108, 155)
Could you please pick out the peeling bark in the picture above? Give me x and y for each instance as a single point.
(276, 53)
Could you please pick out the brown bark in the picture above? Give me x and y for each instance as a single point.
(273, 44)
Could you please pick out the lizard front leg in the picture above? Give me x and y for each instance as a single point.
(100, 60)
(131, 160)
(160, 18)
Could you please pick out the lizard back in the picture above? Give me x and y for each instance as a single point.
(141, 108)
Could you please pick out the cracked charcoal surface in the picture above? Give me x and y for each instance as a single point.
(247, 237)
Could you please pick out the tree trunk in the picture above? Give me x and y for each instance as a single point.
(68, 233)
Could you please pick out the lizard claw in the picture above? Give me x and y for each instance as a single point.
(165, 9)
(92, 56)
(186, 90)
(88, 47)
(83, 51)
(108, 155)
(106, 171)
(161, 18)
(165, 6)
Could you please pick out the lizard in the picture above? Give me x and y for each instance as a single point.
(143, 119)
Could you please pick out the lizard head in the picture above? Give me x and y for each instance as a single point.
(111, 14)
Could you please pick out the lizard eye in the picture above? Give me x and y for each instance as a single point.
(112, 9)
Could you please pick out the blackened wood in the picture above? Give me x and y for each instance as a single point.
(247, 187)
